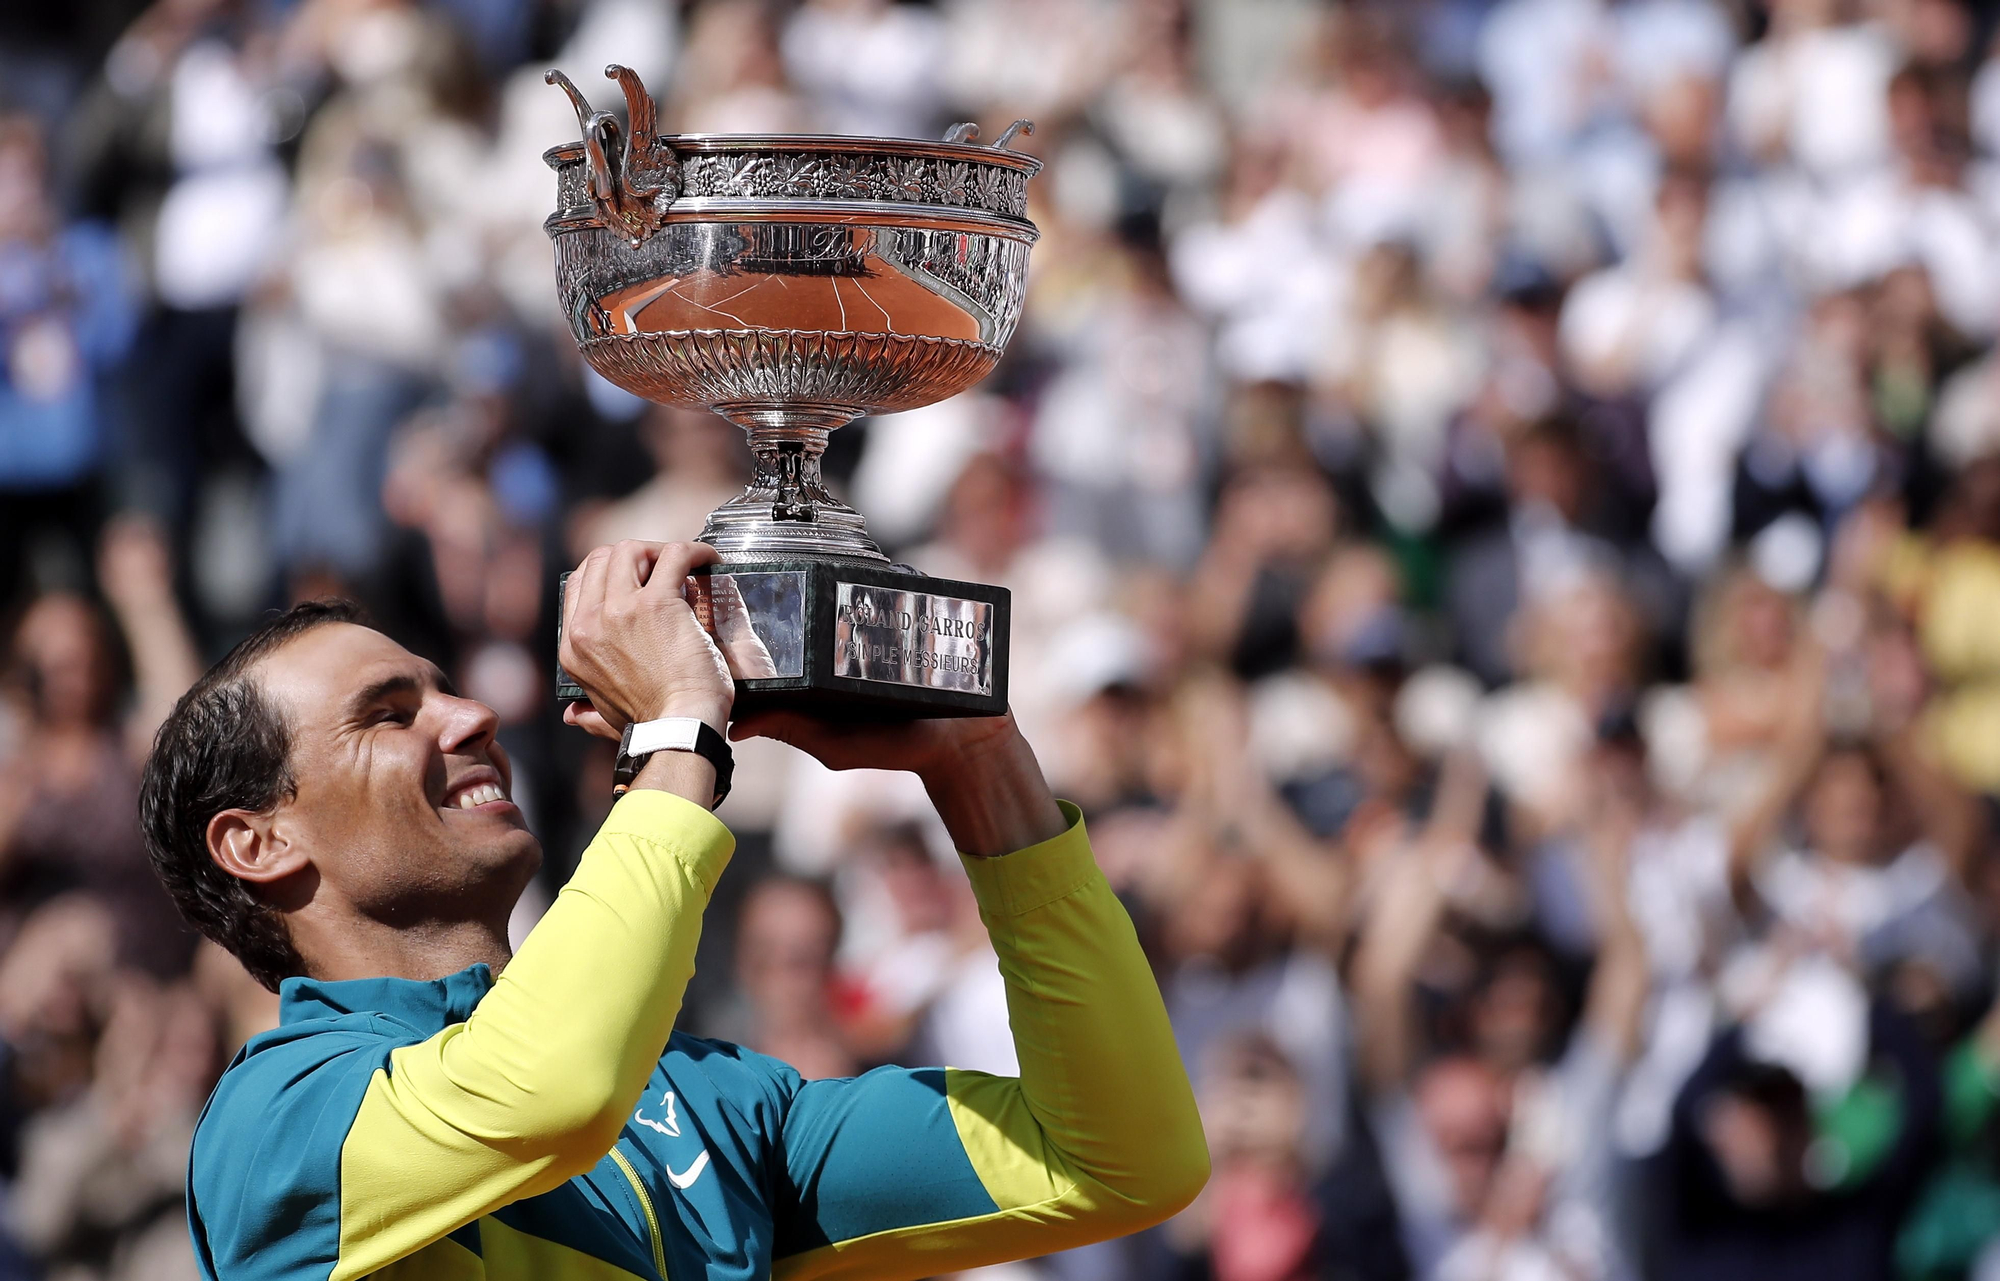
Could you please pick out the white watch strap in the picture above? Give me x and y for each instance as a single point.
(672, 733)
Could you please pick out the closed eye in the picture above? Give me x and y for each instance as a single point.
(391, 700)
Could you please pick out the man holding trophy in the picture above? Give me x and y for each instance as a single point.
(325, 806)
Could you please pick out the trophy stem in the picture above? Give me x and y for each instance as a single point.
(787, 510)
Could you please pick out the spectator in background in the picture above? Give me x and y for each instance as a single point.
(700, 463)
(1947, 1232)
(1718, 737)
(1559, 527)
(869, 66)
(1274, 524)
(367, 289)
(1497, 1141)
(786, 940)
(1264, 1217)
(69, 789)
(733, 77)
(101, 1178)
(66, 321)
(179, 148)
(1765, 1184)
(1123, 429)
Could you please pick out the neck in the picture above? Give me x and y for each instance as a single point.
(372, 949)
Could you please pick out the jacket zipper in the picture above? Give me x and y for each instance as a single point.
(646, 1208)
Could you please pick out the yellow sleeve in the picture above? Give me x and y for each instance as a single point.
(1098, 1136)
(534, 1087)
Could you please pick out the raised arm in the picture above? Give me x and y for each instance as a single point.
(535, 1086)
(1413, 898)
(1230, 794)
(1800, 744)
(1949, 816)
(137, 574)
(1621, 979)
(906, 1174)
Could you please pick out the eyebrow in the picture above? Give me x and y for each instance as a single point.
(381, 691)
(393, 686)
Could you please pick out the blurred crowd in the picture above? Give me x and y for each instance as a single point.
(1502, 501)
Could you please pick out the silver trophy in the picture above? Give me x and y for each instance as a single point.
(792, 284)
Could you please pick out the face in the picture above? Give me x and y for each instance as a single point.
(1223, 922)
(1511, 1016)
(404, 802)
(920, 892)
(1353, 604)
(785, 951)
(1843, 808)
(24, 207)
(1593, 636)
(1549, 472)
(1463, 1106)
(1763, 625)
(61, 642)
(1253, 1107)
(1757, 1148)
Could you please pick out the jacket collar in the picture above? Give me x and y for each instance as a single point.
(426, 1006)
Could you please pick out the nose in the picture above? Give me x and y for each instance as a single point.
(467, 726)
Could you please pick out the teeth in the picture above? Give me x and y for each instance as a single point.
(479, 795)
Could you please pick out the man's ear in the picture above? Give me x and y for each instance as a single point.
(253, 847)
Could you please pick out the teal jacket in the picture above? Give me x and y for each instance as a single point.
(530, 1127)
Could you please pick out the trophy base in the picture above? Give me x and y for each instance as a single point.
(850, 641)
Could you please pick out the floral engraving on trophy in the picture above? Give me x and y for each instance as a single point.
(764, 175)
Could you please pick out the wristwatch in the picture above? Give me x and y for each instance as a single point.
(673, 734)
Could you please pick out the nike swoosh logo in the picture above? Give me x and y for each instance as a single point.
(686, 1178)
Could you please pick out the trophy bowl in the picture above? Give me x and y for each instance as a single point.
(792, 284)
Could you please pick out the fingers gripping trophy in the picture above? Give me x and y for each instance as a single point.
(792, 284)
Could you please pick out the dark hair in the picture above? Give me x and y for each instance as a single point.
(225, 747)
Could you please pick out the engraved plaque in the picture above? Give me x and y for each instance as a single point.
(758, 620)
(912, 638)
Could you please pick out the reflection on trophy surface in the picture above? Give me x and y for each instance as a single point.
(792, 284)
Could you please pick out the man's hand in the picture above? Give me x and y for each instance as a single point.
(981, 774)
(718, 603)
(631, 640)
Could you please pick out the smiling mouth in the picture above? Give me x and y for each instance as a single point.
(474, 797)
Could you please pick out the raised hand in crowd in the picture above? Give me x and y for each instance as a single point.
(135, 568)
(1436, 864)
(1227, 793)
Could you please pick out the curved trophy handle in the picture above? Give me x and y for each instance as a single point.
(967, 131)
(652, 174)
(639, 108)
(1013, 130)
(600, 140)
(585, 115)
(633, 176)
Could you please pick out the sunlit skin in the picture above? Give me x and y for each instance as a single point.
(379, 870)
